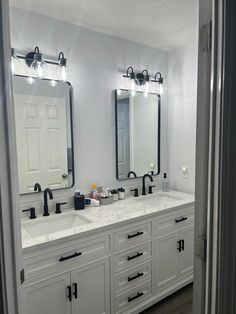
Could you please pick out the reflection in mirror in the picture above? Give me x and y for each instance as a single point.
(43, 134)
(137, 134)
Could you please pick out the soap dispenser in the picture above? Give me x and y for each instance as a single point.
(165, 183)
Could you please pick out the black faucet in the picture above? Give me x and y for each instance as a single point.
(133, 173)
(37, 187)
(144, 187)
(45, 206)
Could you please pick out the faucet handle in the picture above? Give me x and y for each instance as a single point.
(32, 212)
(58, 207)
(135, 192)
(150, 189)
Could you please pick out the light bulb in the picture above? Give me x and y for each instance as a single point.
(15, 62)
(161, 89)
(39, 66)
(132, 88)
(13, 67)
(39, 70)
(146, 89)
(30, 80)
(53, 83)
(63, 73)
(118, 92)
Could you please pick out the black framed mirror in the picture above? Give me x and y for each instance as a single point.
(44, 137)
(138, 133)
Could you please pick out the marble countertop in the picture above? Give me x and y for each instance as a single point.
(103, 217)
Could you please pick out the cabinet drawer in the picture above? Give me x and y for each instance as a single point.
(71, 255)
(134, 235)
(133, 297)
(133, 277)
(173, 222)
(132, 257)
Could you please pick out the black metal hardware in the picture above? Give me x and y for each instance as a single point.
(180, 246)
(37, 187)
(69, 293)
(159, 80)
(22, 276)
(32, 212)
(180, 219)
(147, 175)
(135, 192)
(150, 189)
(45, 206)
(62, 259)
(133, 173)
(58, 207)
(75, 290)
(138, 295)
(135, 277)
(139, 233)
(134, 256)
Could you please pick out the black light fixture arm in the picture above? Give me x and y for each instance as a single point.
(158, 80)
(37, 51)
(130, 73)
(146, 75)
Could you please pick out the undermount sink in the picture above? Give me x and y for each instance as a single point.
(158, 200)
(52, 224)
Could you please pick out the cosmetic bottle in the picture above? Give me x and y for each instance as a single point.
(165, 183)
(79, 201)
(121, 193)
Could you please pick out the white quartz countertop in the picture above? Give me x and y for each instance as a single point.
(103, 217)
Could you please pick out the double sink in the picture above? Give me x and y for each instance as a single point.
(68, 220)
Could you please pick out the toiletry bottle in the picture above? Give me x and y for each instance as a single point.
(114, 194)
(121, 192)
(79, 201)
(94, 192)
(165, 183)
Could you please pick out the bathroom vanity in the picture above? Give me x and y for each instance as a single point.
(119, 258)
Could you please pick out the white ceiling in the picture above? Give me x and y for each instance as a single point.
(158, 23)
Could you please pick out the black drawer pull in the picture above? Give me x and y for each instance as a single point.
(62, 259)
(69, 293)
(130, 236)
(134, 256)
(138, 295)
(135, 277)
(75, 292)
(181, 219)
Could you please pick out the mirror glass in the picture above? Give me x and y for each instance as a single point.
(137, 134)
(43, 133)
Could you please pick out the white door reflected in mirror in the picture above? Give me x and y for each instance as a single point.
(42, 136)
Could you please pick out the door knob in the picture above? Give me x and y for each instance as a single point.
(65, 175)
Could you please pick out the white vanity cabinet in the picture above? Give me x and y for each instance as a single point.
(122, 270)
(173, 249)
(47, 296)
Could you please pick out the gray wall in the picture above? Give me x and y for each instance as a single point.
(182, 104)
(97, 63)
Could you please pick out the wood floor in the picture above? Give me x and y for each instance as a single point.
(178, 303)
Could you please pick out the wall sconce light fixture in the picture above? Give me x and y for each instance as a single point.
(142, 79)
(39, 65)
(159, 79)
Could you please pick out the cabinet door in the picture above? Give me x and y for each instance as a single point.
(165, 263)
(93, 289)
(48, 296)
(186, 255)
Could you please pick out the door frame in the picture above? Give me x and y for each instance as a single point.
(10, 232)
